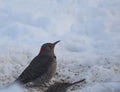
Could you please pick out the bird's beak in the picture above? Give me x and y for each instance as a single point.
(56, 42)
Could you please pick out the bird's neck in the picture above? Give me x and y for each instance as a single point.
(41, 50)
(47, 54)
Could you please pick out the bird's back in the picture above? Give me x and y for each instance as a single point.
(38, 67)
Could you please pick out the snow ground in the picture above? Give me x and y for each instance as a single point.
(90, 39)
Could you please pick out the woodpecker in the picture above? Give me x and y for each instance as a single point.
(42, 67)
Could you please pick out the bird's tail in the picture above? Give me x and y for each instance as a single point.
(80, 81)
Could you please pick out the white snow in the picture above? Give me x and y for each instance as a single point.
(12, 88)
(89, 31)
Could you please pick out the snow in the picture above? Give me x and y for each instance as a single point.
(90, 39)
(12, 88)
(102, 87)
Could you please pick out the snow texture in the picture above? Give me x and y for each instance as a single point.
(89, 31)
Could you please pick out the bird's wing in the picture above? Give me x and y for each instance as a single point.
(38, 67)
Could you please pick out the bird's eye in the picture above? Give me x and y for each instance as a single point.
(50, 46)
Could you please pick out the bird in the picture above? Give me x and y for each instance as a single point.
(62, 87)
(42, 67)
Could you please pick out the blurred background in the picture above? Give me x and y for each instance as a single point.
(89, 31)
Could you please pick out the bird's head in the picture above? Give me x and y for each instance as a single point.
(48, 49)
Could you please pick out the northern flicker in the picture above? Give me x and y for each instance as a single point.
(42, 67)
(62, 87)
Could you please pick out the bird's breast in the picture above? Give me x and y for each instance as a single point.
(52, 69)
